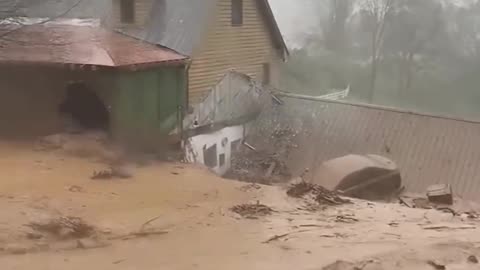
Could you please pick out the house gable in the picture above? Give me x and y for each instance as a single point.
(249, 48)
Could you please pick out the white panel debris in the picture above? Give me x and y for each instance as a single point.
(214, 149)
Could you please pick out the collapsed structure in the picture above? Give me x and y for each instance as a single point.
(291, 134)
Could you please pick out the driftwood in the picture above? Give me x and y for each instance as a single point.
(138, 234)
(278, 237)
(142, 232)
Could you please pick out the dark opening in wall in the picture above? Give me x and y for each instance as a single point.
(235, 146)
(221, 160)
(85, 108)
(127, 11)
(210, 156)
(237, 12)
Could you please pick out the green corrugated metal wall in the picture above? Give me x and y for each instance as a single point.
(145, 105)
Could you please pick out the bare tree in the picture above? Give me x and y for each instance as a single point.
(335, 34)
(415, 28)
(10, 8)
(376, 14)
(13, 7)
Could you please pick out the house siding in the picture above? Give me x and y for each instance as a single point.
(41, 94)
(143, 105)
(242, 48)
(146, 106)
(142, 12)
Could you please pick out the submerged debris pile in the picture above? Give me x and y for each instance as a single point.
(252, 211)
(64, 228)
(300, 189)
(112, 172)
(264, 156)
(320, 194)
(258, 167)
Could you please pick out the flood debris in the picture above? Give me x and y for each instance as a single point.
(275, 238)
(436, 265)
(369, 177)
(325, 196)
(320, 194)
(250, 187)
(283, 236)
(64, 228)
(300, 189)
(111, 173)
(345, 265)
(250, 146)
(258, 167)
(264, 162)
(90, 243)
(440, 194)
(75, 188)
(139, 234)
(345, 219)
(440, 197)
(102, 175)
(252, 211)
(472, 259)
(449, 227)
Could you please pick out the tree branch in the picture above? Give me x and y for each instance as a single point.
(44, 21)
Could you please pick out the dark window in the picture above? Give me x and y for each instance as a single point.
(237, 12)
(127, 11)
(210, 156)
(221, 160)
(266, 74)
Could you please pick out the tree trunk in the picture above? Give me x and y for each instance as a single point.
(373, 75)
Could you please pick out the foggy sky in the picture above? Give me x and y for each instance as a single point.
(295, 19)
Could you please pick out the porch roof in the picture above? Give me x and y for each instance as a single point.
(79, 45)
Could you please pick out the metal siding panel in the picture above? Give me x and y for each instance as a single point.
(145, 105)
(428, 149)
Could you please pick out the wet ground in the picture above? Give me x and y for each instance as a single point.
(191, 207)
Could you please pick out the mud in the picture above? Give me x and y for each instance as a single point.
(160, 220)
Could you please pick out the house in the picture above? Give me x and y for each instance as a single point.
(102, 79)
(218, 35)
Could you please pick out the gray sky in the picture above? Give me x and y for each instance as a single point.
(295, 18)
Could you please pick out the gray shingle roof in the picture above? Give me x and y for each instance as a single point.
(50, 8)
(177, 24)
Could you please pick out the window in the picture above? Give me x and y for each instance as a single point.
(237, 12)
(221, 160)
(127, 11)
(266, 74)
(210, 156)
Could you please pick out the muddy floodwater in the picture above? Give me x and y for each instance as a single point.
(178, 216)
